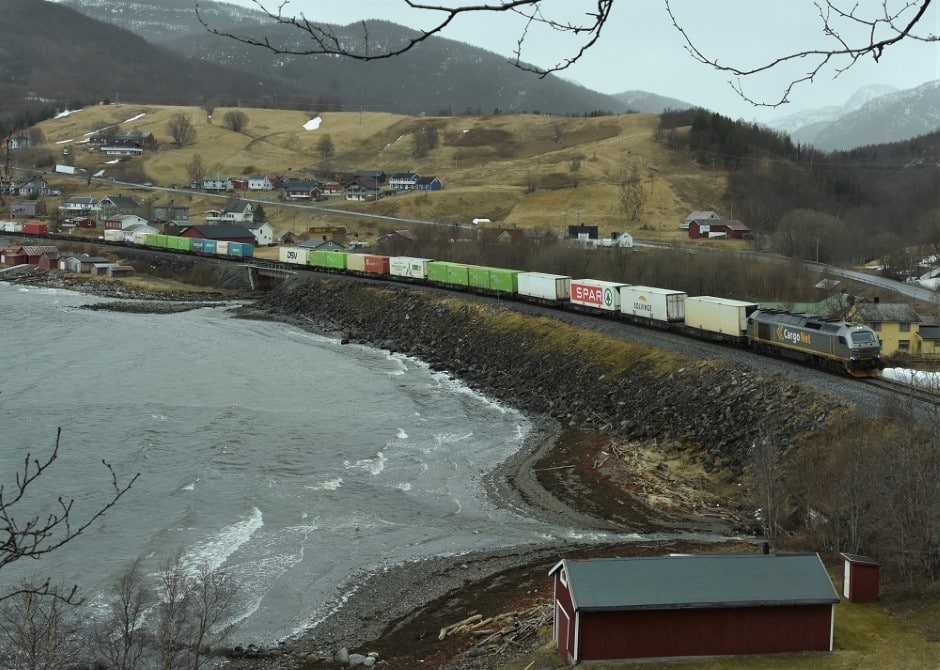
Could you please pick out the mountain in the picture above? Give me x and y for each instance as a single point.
(645, 102)
(51, 52)
(438, 76)
(873, 115)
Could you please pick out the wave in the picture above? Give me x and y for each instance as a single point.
(215, 551)
(328, 485)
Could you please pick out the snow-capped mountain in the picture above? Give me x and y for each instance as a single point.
(873, 115)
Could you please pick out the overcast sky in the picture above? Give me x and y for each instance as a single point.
(639, 49)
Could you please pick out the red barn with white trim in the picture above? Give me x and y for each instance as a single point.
(704, 605)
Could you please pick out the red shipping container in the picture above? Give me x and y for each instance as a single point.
(377, 264)
(34, 228)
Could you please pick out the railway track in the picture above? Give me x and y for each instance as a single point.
(918, 393)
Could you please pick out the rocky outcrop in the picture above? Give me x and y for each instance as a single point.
(578, 376)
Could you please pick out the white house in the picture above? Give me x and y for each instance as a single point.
(259, 182)
(263, 232)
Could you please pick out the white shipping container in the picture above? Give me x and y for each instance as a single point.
(11, 227)
(139, 238)
(114, 235)
(65, 169)
(718, 315)
(293, 255)
(221, 247)
(595, 293)
(544, 286)
(356, 262)
(659, 304)
(406, 266)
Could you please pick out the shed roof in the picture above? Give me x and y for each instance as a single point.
(683, 582)
(858, 558)
(899, 312)
(221, 231)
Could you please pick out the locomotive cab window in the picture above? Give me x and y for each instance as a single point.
(862, 337)
(841, 340)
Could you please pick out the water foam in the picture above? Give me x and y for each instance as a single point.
(215, 551)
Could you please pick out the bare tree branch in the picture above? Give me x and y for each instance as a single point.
(882, 31)
(37, 535)
(873, 31)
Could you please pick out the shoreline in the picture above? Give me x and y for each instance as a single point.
(381, 603)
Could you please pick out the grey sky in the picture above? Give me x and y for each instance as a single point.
(639, 48)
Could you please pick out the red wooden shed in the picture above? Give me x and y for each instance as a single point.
(861, 578)
(730, 228)
(703, 605)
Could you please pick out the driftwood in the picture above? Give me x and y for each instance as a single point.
(498, 633)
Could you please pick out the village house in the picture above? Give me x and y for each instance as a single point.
(170, 211)
(27, 208)
(429, 184)
(117, 204)
(895, 323)
(403, 181)
(699, 215)
(80, 263)
(216, 183)
(124, 221)
(302, 189)
(692, 605)
(219, 232)
(34, 186)
(321, 244)
(361, 193)
(263, 232)
(81, 205)
(235, 211)
(724, 228)
(259, 182)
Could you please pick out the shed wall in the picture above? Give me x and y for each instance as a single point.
(704, 632)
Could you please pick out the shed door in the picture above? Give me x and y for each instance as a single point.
(562, 632)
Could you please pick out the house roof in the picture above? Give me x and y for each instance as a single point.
(236, 205)
(85, 258)
(120, 201)
(899, 312)
(730, 224)
(405, 175)
(858, 558)
(82, 200)
(718, 580)
(221, 231)
(929, 332)
(38, 250)
(426, 180)
(702, 214)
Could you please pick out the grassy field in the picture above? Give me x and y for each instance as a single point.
(528, 171)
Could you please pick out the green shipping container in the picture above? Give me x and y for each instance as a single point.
(458, 274)
(479, 277)
(437, 272)
(504, 281)
(156, 240)
(179, 243)
(331, 260)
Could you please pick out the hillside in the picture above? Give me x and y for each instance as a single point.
(528, 171)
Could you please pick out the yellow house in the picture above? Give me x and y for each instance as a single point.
(896, 324)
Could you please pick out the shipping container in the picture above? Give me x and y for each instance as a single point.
(221, 247)
(595, 293)
(210, 247)
(156, 240)
(114, 235)
(11, 227)
(241, 249)
(179, 243)
(293, 255)
(356, 263)
(198, 245)
(504, 281)
(451, 274)
(718, 315)
(328, 260)
(35, 228)
(139, 238)
(544, 286)
(658, 304)
(478, 277)
(407, 266)
(377, 265)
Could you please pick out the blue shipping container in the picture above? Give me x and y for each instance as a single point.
(209, 247)
(198, 245)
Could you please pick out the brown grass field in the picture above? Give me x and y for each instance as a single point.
(528, 171)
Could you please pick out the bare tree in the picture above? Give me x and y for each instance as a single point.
(181, 130)
(195, 170)
(37, 535)
(851, 31)
(120, 640)
(235, 120)
(37, 632)
(765, 464)
(326, 148)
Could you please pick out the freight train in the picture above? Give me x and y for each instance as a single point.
(837, 345)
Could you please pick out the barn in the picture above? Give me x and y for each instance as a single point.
(692, 605)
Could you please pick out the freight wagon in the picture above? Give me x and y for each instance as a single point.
(409, 267)
(647, 303)
(596, 294)
(718, 319)
(544, 287)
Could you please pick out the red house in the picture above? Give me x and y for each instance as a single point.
(728, 228)
(860, 578)
(702, 605)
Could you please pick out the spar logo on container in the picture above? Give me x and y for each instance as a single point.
(591, 295)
